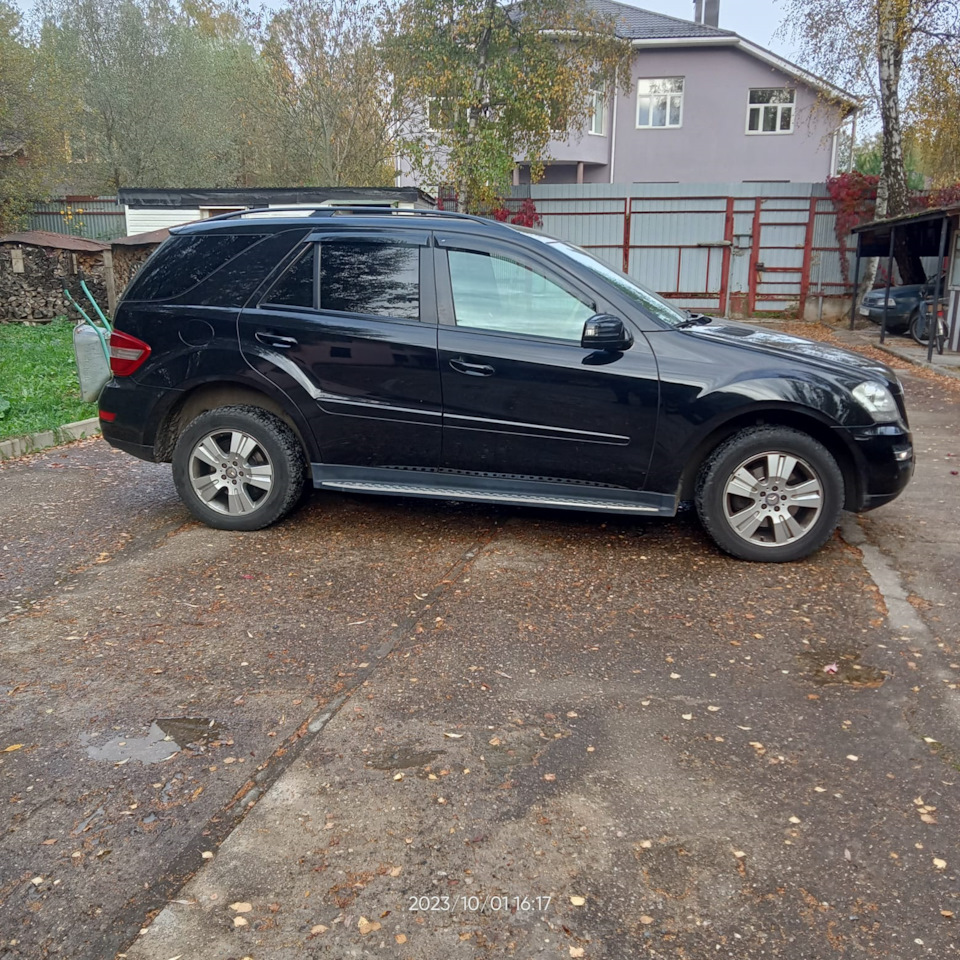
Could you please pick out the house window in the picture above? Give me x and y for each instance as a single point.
(660, 103)
(598, 108)
(770, 110)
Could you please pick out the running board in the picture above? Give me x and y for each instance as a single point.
(484, 489)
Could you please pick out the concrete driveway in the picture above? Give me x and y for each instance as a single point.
(432, 730)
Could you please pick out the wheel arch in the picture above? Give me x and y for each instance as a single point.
(776, 417)
(210, 395)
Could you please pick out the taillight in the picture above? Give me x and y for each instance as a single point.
(127, 354)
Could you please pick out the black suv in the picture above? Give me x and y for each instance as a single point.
(441, 355)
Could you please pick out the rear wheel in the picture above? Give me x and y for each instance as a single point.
(239, 468)
(770, 494)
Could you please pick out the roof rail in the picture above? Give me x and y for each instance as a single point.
(320, 211)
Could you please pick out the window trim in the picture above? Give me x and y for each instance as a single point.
(682, 94)
(771, 133)
(598, 94)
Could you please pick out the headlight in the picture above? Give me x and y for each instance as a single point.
(877, 400)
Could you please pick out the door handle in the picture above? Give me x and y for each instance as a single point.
(275, 340)
(472, 369)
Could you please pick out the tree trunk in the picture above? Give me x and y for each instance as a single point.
(892, 192)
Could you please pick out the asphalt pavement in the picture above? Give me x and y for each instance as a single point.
(424, 730)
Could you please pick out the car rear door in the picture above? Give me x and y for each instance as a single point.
(522, 397)
(349, 330)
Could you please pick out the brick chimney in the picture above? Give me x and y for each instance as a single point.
(707, 12)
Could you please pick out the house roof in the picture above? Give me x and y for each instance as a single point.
(56, 241)
(635, 24)
(645, 28)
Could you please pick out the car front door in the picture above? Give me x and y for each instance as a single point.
(521, 397)
(349, 329)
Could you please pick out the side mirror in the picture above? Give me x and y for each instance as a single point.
(603, 332)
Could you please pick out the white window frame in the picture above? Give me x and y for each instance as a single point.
(670, 96)
(599, 100)
(762, 106)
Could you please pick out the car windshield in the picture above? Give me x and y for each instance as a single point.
(651, 302)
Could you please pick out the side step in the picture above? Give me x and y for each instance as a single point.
(484, 489)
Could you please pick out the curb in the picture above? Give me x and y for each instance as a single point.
(33, 442)
(946, 371)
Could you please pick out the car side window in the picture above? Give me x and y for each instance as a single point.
(295, 288)
(374, 278)
(495, 293)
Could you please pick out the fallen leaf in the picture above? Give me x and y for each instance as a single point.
(939, 864)
(578, 901)
(400, 938)
(674, 676)
(396, 871)
(572, 713)
(713, 709)
(646, 844)
(820, 789)
(207, 855)
(576, 951)
(240, 922)
(12, 747)
(852, 756)
(494, 741)
(241, 906)
(686, 716)
(449, 736)
(366, 926)
(795, 820)
(946, 913)
(646, 919)
(50, 842)
(739, 854)
(36, 881)
(319, 928)
(398, 776)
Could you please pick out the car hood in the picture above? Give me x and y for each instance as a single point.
(800, 349)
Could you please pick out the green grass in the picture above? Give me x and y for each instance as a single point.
(38, 379)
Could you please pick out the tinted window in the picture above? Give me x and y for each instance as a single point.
(377, 279)
(295, 287)
(235, 282)
(183, 262)
(493, 293)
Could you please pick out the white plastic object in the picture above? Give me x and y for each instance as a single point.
(93, 367)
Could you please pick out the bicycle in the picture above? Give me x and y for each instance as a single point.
(919, 326)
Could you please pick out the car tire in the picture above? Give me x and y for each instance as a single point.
(770, 494)
(239, 468)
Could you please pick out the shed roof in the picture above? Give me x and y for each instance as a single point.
(56, 241)
(142, 239)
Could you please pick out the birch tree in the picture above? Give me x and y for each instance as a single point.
(874, 48)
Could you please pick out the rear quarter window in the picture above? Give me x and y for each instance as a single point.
(183, 262)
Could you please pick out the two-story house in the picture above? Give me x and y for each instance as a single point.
(705, 106)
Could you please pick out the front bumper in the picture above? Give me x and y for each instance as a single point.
(886, 458)
(895, 321)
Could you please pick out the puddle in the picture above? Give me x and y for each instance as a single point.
(828, 667)
(165, 738)
(402, 758)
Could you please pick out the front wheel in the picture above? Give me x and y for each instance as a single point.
(770, 494)
(239, 468)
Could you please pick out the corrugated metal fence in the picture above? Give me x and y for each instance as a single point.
(96, 218)
(728, 248)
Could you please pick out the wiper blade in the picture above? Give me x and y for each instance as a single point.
(694, 320)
